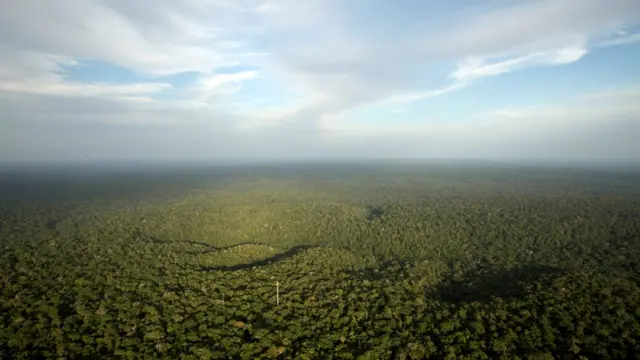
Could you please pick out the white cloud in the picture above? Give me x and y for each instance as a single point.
(82, 89)
(269, 7)
(619, 95)
(622, 38)
(584, 129)
(417, 96)
(594, 126)
(220, 79)
(42, 74)
(167, 37)
(477, 67)
(363, 58)
(541, 24)
(214, 86)
(584, 113)
(357, 70)
(23, 65)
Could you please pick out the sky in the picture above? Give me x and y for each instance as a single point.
(227, 80)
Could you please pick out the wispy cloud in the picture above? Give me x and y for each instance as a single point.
(216, 85)
(622, 37)
(80, 89)
(269, 6)
(391, 56)
(473, 68)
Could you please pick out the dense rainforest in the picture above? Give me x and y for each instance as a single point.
(323, 261)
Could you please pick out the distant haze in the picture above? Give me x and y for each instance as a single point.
(253, 81)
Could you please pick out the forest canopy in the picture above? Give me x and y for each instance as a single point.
(375, 261)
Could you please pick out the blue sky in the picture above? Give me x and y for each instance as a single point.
(320, 79)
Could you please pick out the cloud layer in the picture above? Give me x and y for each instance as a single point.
(224, 80)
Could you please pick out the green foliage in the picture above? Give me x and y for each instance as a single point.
(408, 264)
